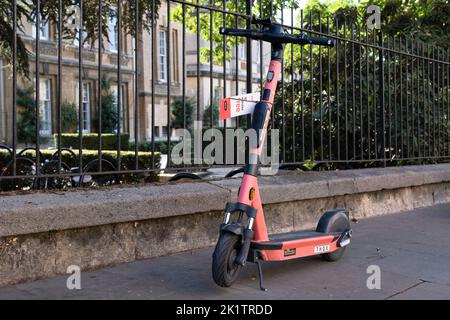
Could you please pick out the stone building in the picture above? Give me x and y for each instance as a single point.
(48, 71)
(165, 41)
(167, 68)
(166, 65)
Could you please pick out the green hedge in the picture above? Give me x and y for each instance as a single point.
(127, 160)
(90, 141)
(160, 146)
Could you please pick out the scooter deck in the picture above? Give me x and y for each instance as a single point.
(276, 241)
(296, 244)
(296, 235)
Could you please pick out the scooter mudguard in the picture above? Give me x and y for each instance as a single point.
(235, 228)
(246, 236)
(338, 218)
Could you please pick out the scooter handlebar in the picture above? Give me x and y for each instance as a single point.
(268, 36)
(320, 41)
(253, 34)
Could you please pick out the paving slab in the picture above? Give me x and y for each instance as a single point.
(425, 291)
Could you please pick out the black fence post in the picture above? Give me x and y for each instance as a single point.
(248, 9)
(14, 88)
(381, 132)
(249, 87)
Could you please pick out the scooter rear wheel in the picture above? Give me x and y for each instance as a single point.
(224, 269)
(334, 221)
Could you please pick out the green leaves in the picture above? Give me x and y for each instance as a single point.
(211, 20)
(26, 126)
(182, 114)
(69, 116)
(208, 26)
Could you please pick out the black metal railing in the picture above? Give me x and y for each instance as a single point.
(371, 100)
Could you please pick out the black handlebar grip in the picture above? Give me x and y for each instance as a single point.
(321, 41)
(233, 32)
(252, 34)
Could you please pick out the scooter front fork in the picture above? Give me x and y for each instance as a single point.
(241, 259)
(238, 228)
(246, 232)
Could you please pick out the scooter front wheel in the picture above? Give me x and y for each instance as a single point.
(224, 269)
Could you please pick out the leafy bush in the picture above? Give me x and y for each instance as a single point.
(109, 108)
(182, 114)
(90, 141)
(109, 113)
(162, 146)
(215, 116)
(69, 115)
(26, 126)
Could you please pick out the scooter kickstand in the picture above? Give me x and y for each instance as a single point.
(260, 273)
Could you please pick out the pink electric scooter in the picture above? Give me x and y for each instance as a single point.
(243, 233)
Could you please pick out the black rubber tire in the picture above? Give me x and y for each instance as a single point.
(24, 167)
(184, 175)
(334, 221)
(334, 256)
(224, 270)
(234, 172)
(51, 167)
(294, 166)
(99, 180)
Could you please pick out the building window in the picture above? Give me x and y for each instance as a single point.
(164, 131)
(113, 32)
(256, 52)
(162, 56)
(44, 31)
(114, 92)
(86, 106)
(45, 107)
(242, 52)
(156, 131)
(217, 94)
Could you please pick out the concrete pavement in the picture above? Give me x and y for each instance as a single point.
(412, 250)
